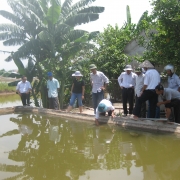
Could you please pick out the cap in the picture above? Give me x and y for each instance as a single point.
(128, 67)
(77, 73)
(50, 74)
(92, 66)
(138, 69)
(159, 87)
(102, 107)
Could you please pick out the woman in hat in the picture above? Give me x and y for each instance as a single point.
(77, 91)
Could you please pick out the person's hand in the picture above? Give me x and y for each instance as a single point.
(27, 92)
(159, 103)
(19, 94)
(103, 88)
(113, 115)
(140, 93)
(82, 96)
(121, 87)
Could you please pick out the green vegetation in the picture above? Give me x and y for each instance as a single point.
(5, 88)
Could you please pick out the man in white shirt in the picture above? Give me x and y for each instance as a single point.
(151, 80)
(99, 83)
(173, 79)
(23, 88)
(103, 107)
(171, 98)
(127, 83)
(53, 88)
(138, 89)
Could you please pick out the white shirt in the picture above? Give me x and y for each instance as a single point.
(23, 87)
(109, 107)
(151, 79)
(98, 81)
(174, 82)
(139, 84)
(127, 80)
(52, 86)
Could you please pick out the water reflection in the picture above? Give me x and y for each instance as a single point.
(50, 148)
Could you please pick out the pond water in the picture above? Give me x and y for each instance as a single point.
(43, 147)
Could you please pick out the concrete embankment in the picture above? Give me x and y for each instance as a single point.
(126, 122)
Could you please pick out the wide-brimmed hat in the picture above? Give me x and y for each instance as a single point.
(49, 74)
(146, 64)
(92, 66)
(128, 67)
(77, 73)
(138, 69)
(102, 107)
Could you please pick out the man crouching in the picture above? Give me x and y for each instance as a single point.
(103, 107)
(171, 99)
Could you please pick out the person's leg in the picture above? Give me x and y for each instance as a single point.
(100, 96)
(153, 99)
(130, 95)
(109, 113)
(71, 103)
(55, 103)
(124, 100)
(50, 103)
(157, 112)
(79, 98)
(144, 97)
(143, 110)
(95, 100)
(148, 111)
(28, 98)
(23, 99)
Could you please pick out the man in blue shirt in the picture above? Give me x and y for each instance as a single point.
(53, 88)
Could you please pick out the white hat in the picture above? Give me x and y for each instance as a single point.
(77, 73)
(146, 64)
(128, 67)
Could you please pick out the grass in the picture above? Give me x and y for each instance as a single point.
(5, 88)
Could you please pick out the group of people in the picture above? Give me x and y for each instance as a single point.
(144, 84)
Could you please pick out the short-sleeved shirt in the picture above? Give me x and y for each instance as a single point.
(174, 82)
(139, 84)
(52, 86)
(98, 81)
(170, 94)
(78, 84)
(127, 80)
(109, 107)
(151, 79)
(23, 87)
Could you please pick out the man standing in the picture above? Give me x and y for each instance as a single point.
(23, 89)
(138, 90)
(99, 83)
(127, 83)
(53, 88)
(173, 79)
(151, 80)
(171, 99)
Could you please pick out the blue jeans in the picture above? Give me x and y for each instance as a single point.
(97, 97)
(75, 96)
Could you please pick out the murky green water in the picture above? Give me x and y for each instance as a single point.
(34, 147)
(10, 100)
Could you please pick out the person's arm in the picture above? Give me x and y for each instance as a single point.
(106, 81)
(72, 87)
(29, 88)
(58, 86)
(163, 102)
(120, 79)
(178, 82)
(47, 86)
(83, 89)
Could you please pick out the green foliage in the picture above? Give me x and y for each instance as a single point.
(164, 44)
(109, 54)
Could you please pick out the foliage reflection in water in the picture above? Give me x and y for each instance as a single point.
(40, 147)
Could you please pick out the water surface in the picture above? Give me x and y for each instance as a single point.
(43, 147)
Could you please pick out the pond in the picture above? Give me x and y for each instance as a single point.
(43, 147)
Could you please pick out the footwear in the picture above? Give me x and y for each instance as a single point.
(133, 117)
(124, 115)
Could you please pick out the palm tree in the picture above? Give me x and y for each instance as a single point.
(45, 31)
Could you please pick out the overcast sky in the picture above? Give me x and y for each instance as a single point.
(115, 13)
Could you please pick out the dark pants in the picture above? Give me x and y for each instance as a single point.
(153, 99)
(143, 109)
(128, 96)
(54, 103)
(104, 113)
(97, 97)
(25, 98)
(175, 103)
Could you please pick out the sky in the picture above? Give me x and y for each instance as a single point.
(115, 13)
